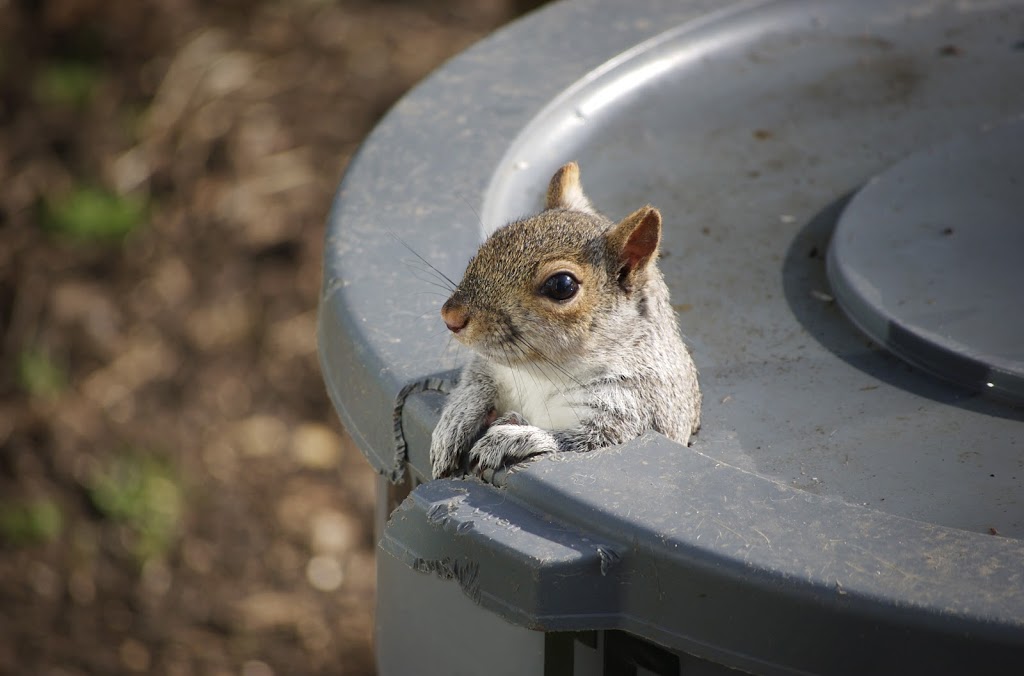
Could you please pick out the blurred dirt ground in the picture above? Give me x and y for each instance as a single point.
(176, 496)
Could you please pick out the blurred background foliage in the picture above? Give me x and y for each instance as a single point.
(176, 496)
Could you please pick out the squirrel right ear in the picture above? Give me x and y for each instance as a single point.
(635, 241)
(566, 192)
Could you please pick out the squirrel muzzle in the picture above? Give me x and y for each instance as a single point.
(455, 316)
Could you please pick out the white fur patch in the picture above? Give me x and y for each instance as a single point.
(540, 398)
(573, 198)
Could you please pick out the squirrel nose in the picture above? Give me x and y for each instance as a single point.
(455, 317)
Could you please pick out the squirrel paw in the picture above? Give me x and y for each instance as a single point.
(508, 440)
(451, 440)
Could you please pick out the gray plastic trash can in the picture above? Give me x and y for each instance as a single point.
(842, 186)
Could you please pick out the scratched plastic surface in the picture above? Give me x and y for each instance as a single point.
(839, 508)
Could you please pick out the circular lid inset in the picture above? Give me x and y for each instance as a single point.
(928, 259)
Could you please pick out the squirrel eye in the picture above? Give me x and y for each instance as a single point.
(560, 286)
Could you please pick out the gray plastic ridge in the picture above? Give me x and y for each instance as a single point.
(547, 552)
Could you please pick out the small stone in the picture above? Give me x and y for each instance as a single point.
(144, 359)
(294, 337)
(172, 281)
(232, 396)
(220, 325)
(315, 634)
(271, 610)
(230, 72)
(260, 435)
(333, 532)
(130, 170)
(197, 555)
(80, 302)
(82, 587)
(256, 668)
(220, 460)
(45, 582)
(156, 577)
(316, 446)
(134, 655)
(324, 573)
(293, 509)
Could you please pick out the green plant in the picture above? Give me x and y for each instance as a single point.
(142, 492)
(66, 83)
(39, 375)
(30, 522)
(92, 213)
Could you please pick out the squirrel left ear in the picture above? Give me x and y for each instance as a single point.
(566, 192)
(635, 240)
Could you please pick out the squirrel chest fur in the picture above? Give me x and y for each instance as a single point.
(541, 399)
(576, 344)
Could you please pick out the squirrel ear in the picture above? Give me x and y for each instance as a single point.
(566, 192)
(635, 239)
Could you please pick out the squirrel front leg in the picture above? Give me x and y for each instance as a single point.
(510, 438)
(464, 418)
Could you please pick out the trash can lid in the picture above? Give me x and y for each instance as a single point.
(854, 511)
(928, 259)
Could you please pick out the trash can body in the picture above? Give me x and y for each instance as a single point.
(847, 506)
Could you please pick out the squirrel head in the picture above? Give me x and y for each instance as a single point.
(558, 284)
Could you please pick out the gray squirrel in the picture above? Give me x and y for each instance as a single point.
(576, 343)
